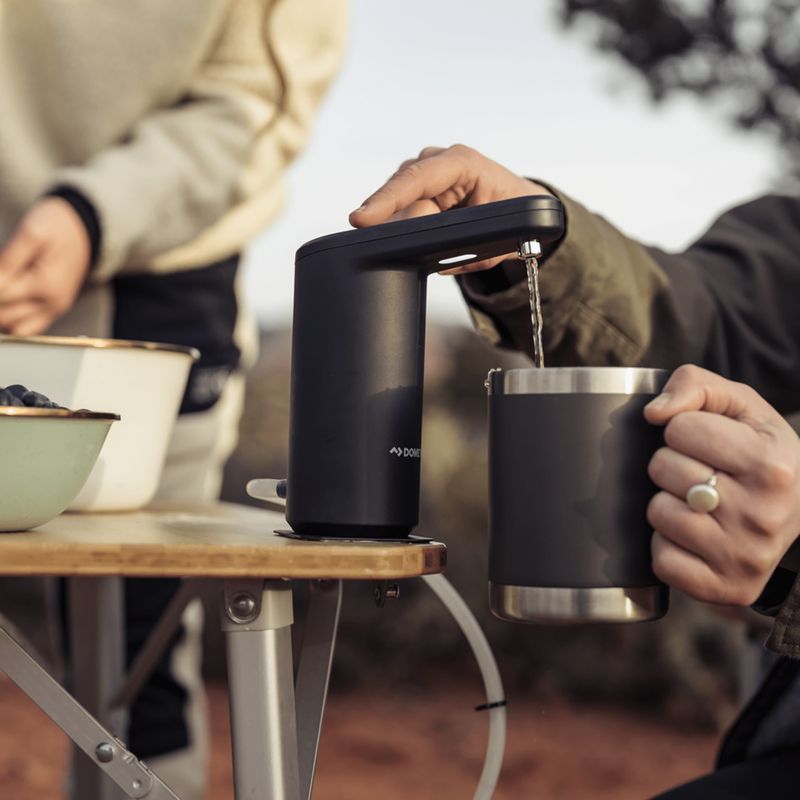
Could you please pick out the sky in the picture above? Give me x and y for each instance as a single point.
(505, 78)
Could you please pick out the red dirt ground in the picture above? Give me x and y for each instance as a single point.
(426, 747)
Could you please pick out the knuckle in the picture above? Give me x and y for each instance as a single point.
(667, 570)
(31, 231)
(776, 471)
(658, 466)
(657, 513)
(688, 373)
(408, 169)
(748, 393)
(742, 593)
(428, 151)
(677, 429)
(755, 565)
(769, 520)
(461, 150)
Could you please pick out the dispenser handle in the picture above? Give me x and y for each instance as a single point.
(458, 236)
(271, 491)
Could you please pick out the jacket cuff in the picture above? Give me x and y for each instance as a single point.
(776, 591)
(785, 636)
(499, 301)
(579, 285)
(87, 213)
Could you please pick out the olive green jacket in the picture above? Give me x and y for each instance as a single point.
(729, 303)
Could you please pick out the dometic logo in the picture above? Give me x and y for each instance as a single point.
(406, 452)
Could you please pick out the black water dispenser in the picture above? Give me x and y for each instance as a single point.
(358, 344)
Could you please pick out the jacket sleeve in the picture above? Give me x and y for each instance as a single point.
(728, 303)
(244, 115)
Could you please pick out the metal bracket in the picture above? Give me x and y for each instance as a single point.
(105, 750)
(313, 674)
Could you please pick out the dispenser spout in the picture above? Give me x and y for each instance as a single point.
(529, 248)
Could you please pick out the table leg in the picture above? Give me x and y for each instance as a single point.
(256, 618)
(313, 674)
(97, 658)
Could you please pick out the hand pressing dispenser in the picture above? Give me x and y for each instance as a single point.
(358, 342)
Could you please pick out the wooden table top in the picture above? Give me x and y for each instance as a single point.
(221, 540)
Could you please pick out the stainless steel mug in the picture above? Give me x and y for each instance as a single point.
(569, 539)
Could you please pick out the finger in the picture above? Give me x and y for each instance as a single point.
(685, 571)
(18, 254)
(421, 208)
(23, 287)
(676, 473)
(424, 179)
(33, 325)
(404, 164)
(12, 314)
(720, 442)
(692, 388)
(475, 266)
(427, 152)
(698, 534)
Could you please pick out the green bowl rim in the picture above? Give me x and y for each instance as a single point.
(55, 413)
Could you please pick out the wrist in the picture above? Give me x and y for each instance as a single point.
(87, 213)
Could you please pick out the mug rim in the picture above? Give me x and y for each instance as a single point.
(577, 380)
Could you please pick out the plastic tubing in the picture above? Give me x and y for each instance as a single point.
(493, 685)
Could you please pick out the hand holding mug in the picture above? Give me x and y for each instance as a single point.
(717, 427)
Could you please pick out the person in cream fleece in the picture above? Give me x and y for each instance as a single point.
(142, 146)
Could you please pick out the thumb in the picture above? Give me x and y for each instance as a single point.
(692, 388)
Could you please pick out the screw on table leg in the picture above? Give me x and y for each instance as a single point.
(383, 591)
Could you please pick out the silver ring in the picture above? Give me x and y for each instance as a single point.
(703, 497)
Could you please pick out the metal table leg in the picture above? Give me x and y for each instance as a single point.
(313, 674)
(256, 619)
(97, 657)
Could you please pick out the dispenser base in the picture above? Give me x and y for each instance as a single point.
(573, 605)
(411, 538)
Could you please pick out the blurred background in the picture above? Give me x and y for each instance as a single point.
(658, 114)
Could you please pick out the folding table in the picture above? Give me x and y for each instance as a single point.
(275, 718)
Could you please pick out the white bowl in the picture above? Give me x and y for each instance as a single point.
(140, 381)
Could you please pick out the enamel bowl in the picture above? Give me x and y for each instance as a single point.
(140, 381)
(47, 456)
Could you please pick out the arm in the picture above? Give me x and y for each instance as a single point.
(728, 303)
(153, 202)
(244, 116)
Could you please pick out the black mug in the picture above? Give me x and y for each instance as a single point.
(569, 539)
